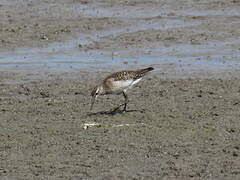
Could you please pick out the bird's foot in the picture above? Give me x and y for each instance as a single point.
(115, 109)
(124, 111)
(118, 107)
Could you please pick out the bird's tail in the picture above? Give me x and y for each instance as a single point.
(144, 71)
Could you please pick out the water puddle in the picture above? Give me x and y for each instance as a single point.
(225, 12)
(211, 56)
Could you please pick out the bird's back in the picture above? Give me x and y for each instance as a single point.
(124, 79)
(131, 74)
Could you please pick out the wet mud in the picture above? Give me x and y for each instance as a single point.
(179, 128)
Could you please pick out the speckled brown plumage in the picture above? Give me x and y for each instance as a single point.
(125, 75)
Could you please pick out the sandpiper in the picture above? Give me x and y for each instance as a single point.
(119, 83)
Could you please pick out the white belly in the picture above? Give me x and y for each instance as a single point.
(124, 85)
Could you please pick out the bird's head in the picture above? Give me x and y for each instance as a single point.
(95, 92)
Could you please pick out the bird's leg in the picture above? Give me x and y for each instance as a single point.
(124, 104)
(126, 101)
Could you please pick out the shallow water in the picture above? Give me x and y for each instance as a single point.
(66, 57)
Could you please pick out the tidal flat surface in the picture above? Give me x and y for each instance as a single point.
(182, 120)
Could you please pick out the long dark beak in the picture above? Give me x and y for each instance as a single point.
(92, 101)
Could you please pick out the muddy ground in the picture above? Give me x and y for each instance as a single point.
(118, 25)
(183, 129)
(179, 124)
